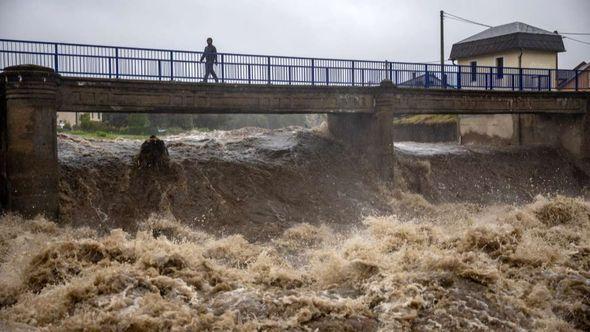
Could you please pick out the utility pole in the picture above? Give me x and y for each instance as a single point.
(442, 50)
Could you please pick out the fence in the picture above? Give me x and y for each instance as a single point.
(80, 60)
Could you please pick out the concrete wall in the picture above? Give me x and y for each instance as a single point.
(569, 132)
(495, 129)
(566, 132)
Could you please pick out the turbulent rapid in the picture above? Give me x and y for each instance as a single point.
(282, 230)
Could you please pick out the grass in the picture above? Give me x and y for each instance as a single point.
(425, 118)
(102, 134)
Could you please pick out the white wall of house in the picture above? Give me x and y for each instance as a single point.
(66, 117)
(530, 59)
(73, 118)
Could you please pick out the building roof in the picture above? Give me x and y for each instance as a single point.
(419, 81)
(511, 36)
(564, 77)
(582, 66)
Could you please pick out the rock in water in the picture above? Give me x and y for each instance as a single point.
(153, 154)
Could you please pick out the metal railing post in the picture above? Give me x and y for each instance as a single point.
(549, 80)
(159, 70)
(426, 77)
(520, 87)
(387, 76)
(363, 77)
(491, 78)
(171, 65)
(289, 74)
(110, 69)
(55, 58)
(312, 72)
(352, 72)
(512, 83)
(391, 71)
(268, 70)
(395, 73)
(539, 83)
(459, 77)
(249, 74)
(116, 62)
(222, 69)
(327, 76)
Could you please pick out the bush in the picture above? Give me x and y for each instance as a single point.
(138, 124)
(87, 124)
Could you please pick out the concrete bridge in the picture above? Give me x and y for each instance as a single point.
(359, 117)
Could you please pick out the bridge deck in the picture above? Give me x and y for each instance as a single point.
(116, 95)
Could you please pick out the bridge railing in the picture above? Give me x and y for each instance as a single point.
(80, 60)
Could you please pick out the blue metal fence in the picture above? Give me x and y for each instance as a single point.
(81, 60)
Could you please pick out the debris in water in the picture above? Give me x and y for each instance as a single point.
(153, 154)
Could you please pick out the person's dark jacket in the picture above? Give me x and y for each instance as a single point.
(210, 54)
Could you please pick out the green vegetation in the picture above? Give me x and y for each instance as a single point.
(139, 126)
(425, 118)
(102, 134)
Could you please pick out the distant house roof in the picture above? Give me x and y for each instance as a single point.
(420, 81)
(506, 37)
(582, 66)
(564, 77)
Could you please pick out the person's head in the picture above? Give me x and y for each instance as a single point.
(209, 41)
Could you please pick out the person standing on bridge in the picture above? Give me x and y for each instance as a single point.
(210, 55)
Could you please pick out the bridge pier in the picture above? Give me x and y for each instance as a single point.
(367, 136)
(28, 163)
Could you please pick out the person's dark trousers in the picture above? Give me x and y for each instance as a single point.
(209, 70)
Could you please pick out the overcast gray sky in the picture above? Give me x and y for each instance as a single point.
(404, 30)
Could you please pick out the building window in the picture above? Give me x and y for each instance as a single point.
(473, 71)
(500, 68)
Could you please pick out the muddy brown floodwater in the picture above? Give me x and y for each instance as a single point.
(254, 230)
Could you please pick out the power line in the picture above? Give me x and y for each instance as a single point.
(577, 40)
(575, 33)
(461, 19)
